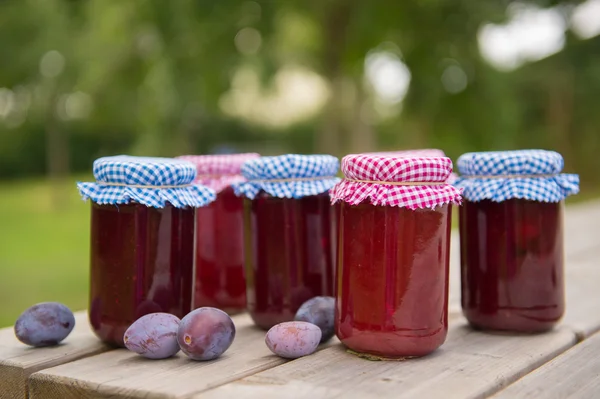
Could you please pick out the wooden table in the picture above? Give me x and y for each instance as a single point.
(562, 363)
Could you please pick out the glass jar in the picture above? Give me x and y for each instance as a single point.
(142, 240)
(289, 255)
(393, 279)
(141, 262)
(512, 264)
(392, 266)
(220, 281)
(511, 239)
(287, 219)
(219, 265)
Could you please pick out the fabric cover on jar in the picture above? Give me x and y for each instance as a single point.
(533, 175)
(392, 180)
(289, 176)
(219, 171)
(415, 153)
(149, 181)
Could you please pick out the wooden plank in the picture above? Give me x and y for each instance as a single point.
(18, 361)
(574, 374)
(123, 374)
(470, 365)
(583, 304)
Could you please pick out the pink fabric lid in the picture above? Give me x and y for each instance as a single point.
(219, 171)
(421, 152)
(375, 177)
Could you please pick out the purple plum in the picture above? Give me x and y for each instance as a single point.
(319, 311)
(205, 333)
(293, 339)
(153, 336)
(44, 324)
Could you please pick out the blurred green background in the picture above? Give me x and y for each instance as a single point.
(80, 79)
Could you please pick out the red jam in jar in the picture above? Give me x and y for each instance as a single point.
(141, 263)
(289, 255)
(288, 240)
(511, 239)
(220, 278)
(393, 254)
(142, 240)
(392, 293)
(219, 259)
(512, 264)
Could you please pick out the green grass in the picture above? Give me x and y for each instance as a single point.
(44, 249)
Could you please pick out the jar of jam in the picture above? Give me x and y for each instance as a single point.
(142, 240)
(219, 265)
(511, 239)
(287, 222)
(394, 243)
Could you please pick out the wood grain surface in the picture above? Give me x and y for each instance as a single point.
(18, 361)
(574, 374)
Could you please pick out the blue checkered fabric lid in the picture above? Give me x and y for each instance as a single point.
(525, 174)
(288, 176)
(149, 181)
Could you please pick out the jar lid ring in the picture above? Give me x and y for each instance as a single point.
(511, 176)
(399, 183)
(291, 179)
(145, 186)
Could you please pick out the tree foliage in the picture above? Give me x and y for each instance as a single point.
(150, 77)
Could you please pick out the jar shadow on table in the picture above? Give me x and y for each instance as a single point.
(340, 348)
(505, 333)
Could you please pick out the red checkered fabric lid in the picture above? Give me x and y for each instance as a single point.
(421, 152)
(219, 171)
(387, 180)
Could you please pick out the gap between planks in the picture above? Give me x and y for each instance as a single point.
(574, 374)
